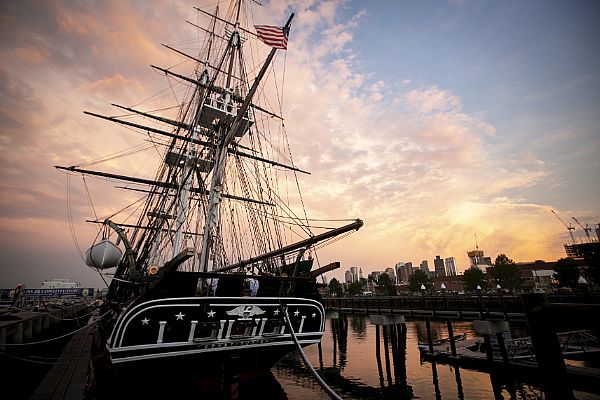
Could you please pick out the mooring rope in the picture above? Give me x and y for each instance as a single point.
(324, 385)
(55, 317)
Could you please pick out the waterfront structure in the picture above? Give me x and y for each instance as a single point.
(438, 264)
(450, 266)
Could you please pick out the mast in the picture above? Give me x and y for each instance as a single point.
(186, 183)
(212, 215)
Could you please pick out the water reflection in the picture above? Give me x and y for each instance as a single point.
(360, 360)
(358, 323)
(339, 331)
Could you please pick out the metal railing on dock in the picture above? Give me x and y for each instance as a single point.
(507, 307)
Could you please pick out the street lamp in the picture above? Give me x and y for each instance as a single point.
(583, 284)
(480, 304)
(443, 287)
(499, 289)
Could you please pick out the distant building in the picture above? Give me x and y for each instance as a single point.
(424, 266)
(403, 271)
(59, 283)
(348, 276)
(535, 276)
(408, 268)
(450, 266)
(438, 264)
(374, 275)
(399, 271)
(360, 275)
(390, 271)
(354, 272)
(478, 260)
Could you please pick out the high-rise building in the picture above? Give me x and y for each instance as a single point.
(354, 272)
(407, 271)
(391, 272)
(348, 276)
(398, 267)
(424, 266)
(403, 271)
(450, 266)
(478, 260)
(360, 275)
(438, 264)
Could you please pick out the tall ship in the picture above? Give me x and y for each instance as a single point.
(215, 264)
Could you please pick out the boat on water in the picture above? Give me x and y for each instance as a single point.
(424, 346)
(574, 345)
(214, 269)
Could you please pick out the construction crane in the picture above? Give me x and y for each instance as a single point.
(587, 229)
(569, 227)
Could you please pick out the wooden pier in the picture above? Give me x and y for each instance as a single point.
(68, 377)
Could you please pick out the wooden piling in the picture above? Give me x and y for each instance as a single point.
(502, 345)
(451, 336)
(429, 338)
(548, 353)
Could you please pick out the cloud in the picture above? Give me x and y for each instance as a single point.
(422, 172)
(432, 99)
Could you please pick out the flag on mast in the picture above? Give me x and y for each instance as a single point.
(274, 36)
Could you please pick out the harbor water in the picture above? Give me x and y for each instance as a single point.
(348, 360)
(349, 364)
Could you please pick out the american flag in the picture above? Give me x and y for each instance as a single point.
(274, 36)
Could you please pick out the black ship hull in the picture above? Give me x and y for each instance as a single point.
(201, 327)
(201, 343)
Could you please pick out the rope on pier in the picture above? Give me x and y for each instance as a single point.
(59, 318)
(324, 385)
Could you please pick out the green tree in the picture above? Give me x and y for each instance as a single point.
(386, 285)
(418, 278)
(334, 286)
(506, 273)
(566, 273)
(355, 288)
(473, 277)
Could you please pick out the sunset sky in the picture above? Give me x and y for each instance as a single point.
(432, 121)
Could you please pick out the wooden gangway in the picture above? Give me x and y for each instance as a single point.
(67, 379)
